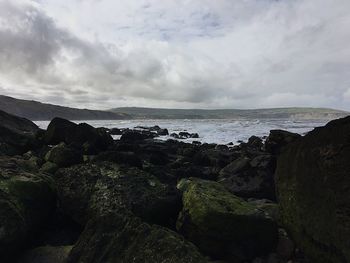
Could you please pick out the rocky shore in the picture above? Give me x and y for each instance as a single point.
(73, 194)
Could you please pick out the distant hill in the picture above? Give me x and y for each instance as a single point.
(273, 113)
(34, 110)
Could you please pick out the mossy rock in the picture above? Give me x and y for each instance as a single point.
(27, 199)
(223, 225)
(64, 156)
(92, 189)
(313, 183)
(122, 237)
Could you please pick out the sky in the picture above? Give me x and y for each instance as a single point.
(102, 54)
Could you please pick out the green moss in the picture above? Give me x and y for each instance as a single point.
(216, 220)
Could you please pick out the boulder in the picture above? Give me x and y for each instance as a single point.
(27, 199)
(255, 142)
(277, 139)
(81, 135)
(250, 177)
(64, 156)
(312, 180)
(136, 136)
(17, 135)
(124, 158)
(223, 225)
(163, 132)
(115, 131)
(92, 189)
(123, 238)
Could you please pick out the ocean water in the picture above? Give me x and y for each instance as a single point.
(213, 131)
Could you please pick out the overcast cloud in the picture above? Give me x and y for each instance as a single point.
(177, 53)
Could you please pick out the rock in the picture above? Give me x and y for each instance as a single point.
(277, 139)
(27, 199)
(81, 135)
(249, 178)
(92, 189)
(184, 135)
(64, 156)
(222, 225)
(115, 131)
(313, 183)
(236, 166)
(49, 168)
(285, 246)
(60, 130)
(123, 238)
(175, 135)
(163, 132)
(194, 135)
(46, 254)
(17, 135)
(255, 142)
(269, 207)
(125, 158)
(135, 136)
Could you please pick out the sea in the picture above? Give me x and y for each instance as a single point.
(212, 130)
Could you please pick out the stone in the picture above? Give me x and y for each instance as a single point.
(278, 139)
(64, 156)
(81, 135)
(223, 225)
(124, 238)
(312, 180)
(17, 135)
(93, 189)
(250, 178)
(46, 254)
(27, 199)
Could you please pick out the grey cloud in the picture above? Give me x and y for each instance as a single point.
(254, 53)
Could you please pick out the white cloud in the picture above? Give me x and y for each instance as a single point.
(208, 54)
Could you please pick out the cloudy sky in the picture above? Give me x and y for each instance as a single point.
(177, 53)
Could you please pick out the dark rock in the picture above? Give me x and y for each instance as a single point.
(221, 147)
(124, 158)
(17, 135)
(49, 168)
(222, 225)
(77, 135)
(247, 177)
(277, 139)
(174, 135)
(95, 188)
(184, 135)
(122, 238)
(235, 167)
(135, 136)
(313, 183)
(64, 156)
(194, 135)
(285, 246)
(255, 142)
(46, 254)
(159, 158)
(27, 199)
(163, 132)
(115, 131)
(60, 130)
